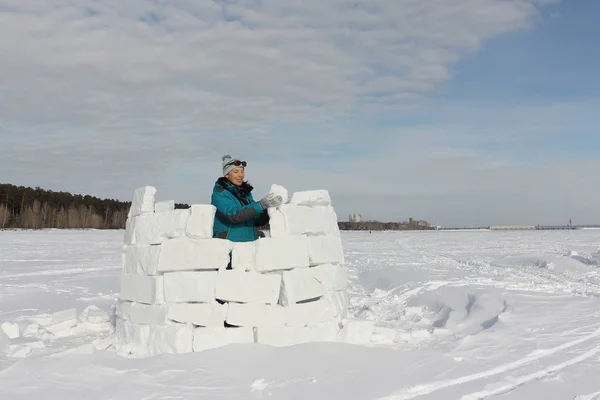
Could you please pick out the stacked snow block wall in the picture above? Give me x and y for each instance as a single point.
(183, 291)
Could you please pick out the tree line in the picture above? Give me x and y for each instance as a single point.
(36, 208)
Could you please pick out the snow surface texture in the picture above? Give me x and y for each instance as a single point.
(436, 315)
(181, 291)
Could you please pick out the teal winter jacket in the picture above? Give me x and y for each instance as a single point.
(238, 214)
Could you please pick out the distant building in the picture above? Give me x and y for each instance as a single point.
(355, 218)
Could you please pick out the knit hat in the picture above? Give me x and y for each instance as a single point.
(229, 164)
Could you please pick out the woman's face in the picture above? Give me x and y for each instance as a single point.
(236, 175)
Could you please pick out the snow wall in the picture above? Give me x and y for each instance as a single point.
(183, 291)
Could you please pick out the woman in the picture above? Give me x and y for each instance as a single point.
(238, 214)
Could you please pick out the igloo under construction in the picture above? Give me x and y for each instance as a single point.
(184, 291)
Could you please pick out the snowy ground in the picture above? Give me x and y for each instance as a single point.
(458, 315)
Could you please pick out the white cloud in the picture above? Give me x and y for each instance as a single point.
(102, 96)
(124, 65)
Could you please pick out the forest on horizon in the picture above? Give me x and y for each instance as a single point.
(24, 207)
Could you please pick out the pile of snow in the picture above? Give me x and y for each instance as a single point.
(454, 311)
(184, 291)
(563, 261)
(425, 315)
(25, 334)
(591, 259)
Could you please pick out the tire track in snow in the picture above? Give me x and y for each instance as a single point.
(591, 396)
(421, 390)
(533, 279)
(66, 271)
(531, 377)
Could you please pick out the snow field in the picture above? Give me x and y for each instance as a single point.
(417, 303)
(183, 291)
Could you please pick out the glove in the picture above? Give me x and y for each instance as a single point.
(270, 200)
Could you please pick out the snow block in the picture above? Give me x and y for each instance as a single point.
(170, 339)
(10, 329)
(200, 314)
(141, 259)
(25, 349)
(4, 342)
(276, 222)
(41, 319)
(190, 286)
(164, 206)
(303, 220)
(123, 252)
(281, 253)
(158, 227)
(244, 256)
(248, 287)
(287, 336)
(63, 329)
(327, 331)
(93, 315)
(129, 229)
(298, 285)
(140, 313)
(30, 329)
(141, 288)
(143, 201)
(332, 277)
(150, 340)
(256, 315)
(311, 313)
(382, 334)
(123, 309)
(131, 338)
(210, 338)
(325, 249)
(281, 191)
(59, 317)
(339, 303)
(184, 254)
(311, 198)
(357, 332)
(200, 223)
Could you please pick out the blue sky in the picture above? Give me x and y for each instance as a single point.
(458, 112)
(554, 63)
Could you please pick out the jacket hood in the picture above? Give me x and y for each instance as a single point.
(244, 189)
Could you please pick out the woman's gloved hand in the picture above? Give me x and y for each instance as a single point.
(270, 200)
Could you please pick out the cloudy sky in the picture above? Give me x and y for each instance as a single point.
(460, 112)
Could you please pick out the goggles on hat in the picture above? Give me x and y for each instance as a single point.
(237, 163)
